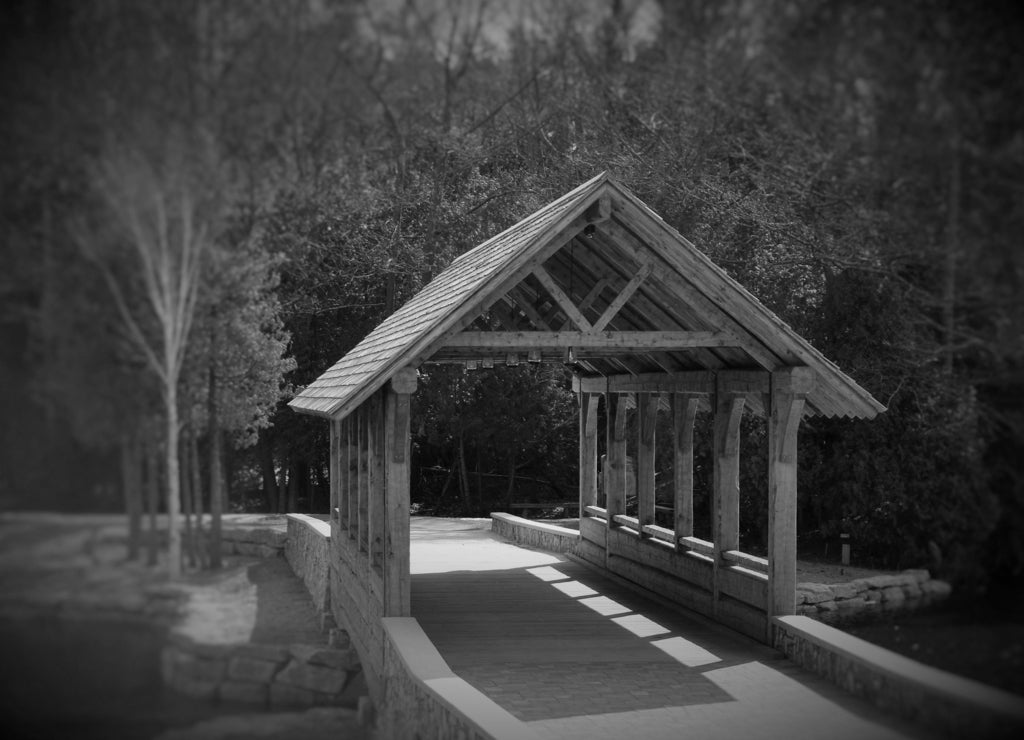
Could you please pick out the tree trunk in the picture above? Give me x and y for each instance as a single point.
(266, 453)
(186, 502)
(152, 496)
(196, 471)
(448, 480)
(479, 482)
(321, 503)
(282, 481)
(467, 505)
(131, 480)
(216, 474)
(511, 478)
(173, 485)
(294, 476)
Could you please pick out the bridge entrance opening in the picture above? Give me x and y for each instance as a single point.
(651, 330)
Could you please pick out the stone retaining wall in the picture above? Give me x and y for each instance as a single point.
(833, 602)
(264, 675)
(541, 535)
(308, 551)
(950, 705)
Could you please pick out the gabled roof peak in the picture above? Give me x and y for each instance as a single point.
(596, 271)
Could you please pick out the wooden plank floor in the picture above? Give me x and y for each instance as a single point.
(561, 646)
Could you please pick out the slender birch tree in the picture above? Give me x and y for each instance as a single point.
(162, 211)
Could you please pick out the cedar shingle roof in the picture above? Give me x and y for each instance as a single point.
(400, 337)
(680, 290)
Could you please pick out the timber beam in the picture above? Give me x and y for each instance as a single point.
(701, 382)
(561, 299)
(620, 341)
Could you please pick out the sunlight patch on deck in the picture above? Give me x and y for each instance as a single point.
(640, 625)
(574, 589)
(688, 653)
(547, 573)
(605, 606)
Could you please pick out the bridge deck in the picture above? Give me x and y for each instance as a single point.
(577, 655)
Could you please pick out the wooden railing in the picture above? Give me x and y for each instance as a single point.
(751, 562)
(730, 585)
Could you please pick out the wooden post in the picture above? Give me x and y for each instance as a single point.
(615, 465)
(351, 502)
(615, 462)
(363, 477)
(397, 602)
(588, 450)
(684, 412)
(334, 464)
(788, 393)
(375, 455)
(725, 505)
(647, 410)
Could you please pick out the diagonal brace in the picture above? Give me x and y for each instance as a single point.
(620, 300)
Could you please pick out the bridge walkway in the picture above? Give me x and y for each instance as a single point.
(575, 654)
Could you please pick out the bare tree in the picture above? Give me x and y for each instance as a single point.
(163, 209)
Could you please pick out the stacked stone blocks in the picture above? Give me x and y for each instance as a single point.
(266, 675)
(911, 588)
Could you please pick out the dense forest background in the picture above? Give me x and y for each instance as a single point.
(206, 203)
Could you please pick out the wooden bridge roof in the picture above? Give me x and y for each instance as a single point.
(594, 279)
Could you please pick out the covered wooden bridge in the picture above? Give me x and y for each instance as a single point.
(648, 325)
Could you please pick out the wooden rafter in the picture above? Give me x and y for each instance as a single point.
(703, 305)
(522, 302)
(594, 293)
(649, 303)
(624, 295)
(564, 301)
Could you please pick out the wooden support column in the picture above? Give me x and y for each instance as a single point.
(397, 602)
(334, 469)
(725, 504)
(588, 449)
(684, 413)
(351, 503)
(647, 411)
(375, 457)
(363, 480)
(789, 389)
(615, 464)
(343, 473)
